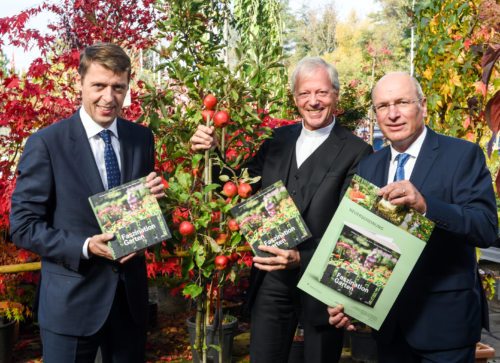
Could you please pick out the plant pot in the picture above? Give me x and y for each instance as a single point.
(363, 347)
(8, 337)
(228, 332)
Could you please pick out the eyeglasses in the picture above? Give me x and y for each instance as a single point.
(320, 95)
(401, 105)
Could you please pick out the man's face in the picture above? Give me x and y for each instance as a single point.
(400, 114)
(103, 93)
(316, 99)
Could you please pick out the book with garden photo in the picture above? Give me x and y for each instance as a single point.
(131, 212)
(271, 218)
(366, 254)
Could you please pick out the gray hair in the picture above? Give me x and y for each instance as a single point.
(308, 65)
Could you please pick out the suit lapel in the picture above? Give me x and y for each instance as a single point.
(285, 151)
(381, 167)
(126, 150)
(322, 158)
(84, 157)
(426, 158)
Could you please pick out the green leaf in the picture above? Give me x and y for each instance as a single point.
(192, 290)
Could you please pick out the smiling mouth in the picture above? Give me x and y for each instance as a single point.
(106, 108)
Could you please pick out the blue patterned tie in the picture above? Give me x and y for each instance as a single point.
(112, 169)
(400, 170)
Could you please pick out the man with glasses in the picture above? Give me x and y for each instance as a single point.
(441, 310)
(316, 160)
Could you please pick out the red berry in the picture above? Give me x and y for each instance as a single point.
(230, 189)
(233, 225)
(244, 190)
(210, 101)
(221, 262)
(207, 114)
(186, 228)
(221, 118)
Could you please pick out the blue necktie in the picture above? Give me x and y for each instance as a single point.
(400, 170)
(112, 169)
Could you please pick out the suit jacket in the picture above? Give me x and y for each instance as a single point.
(52, 217)
(442, 305)
(334, 164)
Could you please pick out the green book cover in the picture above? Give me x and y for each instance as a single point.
(131, 212)
(271, 218)
(366, 254)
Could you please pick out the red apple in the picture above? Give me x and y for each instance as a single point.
(221, 262)
(186, 228)
(207, 114)
(233, 225)
(221, 118)
(230, 189)
(244, 190)
(210, 101)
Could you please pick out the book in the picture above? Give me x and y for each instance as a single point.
(131, 212)
(271, 218)
(366, 254)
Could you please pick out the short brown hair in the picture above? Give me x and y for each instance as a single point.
(108, 55)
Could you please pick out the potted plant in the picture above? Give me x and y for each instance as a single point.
(17, 291)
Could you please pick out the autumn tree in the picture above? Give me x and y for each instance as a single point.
(457, 53)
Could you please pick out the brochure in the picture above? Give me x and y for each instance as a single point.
(271, 218)
(366, 254)
(133, 215)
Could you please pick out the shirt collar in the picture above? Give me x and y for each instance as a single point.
(324, 131)
(414, 148)
(92, 128)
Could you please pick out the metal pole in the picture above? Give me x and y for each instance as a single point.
(412, 53)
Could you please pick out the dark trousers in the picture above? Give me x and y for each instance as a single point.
(121, 340)
(275, 314)
(399, 350)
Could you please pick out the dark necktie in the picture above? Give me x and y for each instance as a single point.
(112, 169)
(400, 170)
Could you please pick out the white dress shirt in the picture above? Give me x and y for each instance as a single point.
(413, 151)
(309, 141)
(92, 130)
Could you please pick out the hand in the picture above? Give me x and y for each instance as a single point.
(283, 260)
(155, 185)
(98, 245)
(404, 193)
(339, 319)
(204, 138)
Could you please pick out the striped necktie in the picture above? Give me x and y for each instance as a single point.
(400, 169)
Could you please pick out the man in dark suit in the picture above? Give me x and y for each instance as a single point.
(441, 310)
(316, 160)
(86, 300)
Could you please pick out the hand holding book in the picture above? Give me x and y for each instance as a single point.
(282, 260)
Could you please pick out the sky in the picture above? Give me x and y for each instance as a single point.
(23, 60)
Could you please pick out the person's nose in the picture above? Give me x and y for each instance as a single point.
(107, 94)
(393, 112)
(313, 99)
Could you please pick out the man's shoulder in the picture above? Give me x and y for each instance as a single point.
(57, 127)
(282, 130)
(350, 136)
(133, 126)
